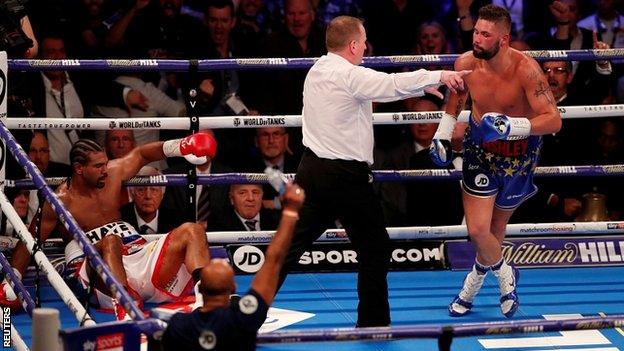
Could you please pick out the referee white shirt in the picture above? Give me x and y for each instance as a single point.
(338, 109)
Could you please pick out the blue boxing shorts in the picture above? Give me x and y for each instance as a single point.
(503, 168)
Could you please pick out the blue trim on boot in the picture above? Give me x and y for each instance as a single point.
(460, 302)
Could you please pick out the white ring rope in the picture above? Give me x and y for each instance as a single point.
(17, 343)
(419, 233)
(42, 261)
(400, 233)
(220, 122)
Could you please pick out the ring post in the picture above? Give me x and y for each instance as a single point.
(45, 327)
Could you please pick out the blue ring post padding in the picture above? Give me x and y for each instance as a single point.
(70, 223)
(143, 65)
(20, 290)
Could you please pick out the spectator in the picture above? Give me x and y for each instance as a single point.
(19, 199)
(155, 29)
(146, 213)
(272, 144)
(92, 20)
(39, 153)
(254, 20)
(392, 24)
(328, 9)
(299, 39)
(246, 212)
(607, 22)
(591, 81)
(61, 94)
(530, 20)
(160, 105)
(118, 143)
(607, 148)
(226, 92)
(209, 198)
(272, 151)
(220, 20)
(403, 202)
(231, 326)
(431, 39)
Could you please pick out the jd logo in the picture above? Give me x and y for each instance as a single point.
(481, 180)
(248, 258)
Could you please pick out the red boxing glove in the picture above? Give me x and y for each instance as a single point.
(8, 298)
(196, 148)
(199, 144)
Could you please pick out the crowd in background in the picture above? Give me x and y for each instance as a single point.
(217, 29)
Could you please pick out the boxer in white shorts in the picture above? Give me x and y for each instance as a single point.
(142, 262)
(92, 195)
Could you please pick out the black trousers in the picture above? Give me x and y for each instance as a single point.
(339, 189)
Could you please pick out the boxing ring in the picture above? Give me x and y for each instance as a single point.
(573, 307)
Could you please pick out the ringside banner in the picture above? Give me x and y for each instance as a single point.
(546, 252)
(405, 255)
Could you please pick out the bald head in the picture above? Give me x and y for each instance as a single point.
(341, 31)
(217, 278)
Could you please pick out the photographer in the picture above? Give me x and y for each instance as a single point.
(16, 34)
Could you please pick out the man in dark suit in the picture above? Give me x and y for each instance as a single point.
(145, 213)
(39, 153)
(272, 145)
(415, 203)
(246, 212)
(591, 81)
(209, 198)
(62, 94)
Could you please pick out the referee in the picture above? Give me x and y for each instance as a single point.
(335, 167)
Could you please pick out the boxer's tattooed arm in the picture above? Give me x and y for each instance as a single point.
(541, 88)
(459, 107)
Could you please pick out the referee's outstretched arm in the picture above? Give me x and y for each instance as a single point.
(265, 281)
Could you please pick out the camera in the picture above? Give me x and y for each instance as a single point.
(13, 40)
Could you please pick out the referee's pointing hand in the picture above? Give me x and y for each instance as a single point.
(454, 80)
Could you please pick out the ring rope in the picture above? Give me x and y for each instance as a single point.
(378, 176)
(70, 223)
(42, 261)
(430, 331)
(147, 65)
(400, 233)
(18, 287)
(426, 232)
(385, 61)
(221, 122)
(17, 343)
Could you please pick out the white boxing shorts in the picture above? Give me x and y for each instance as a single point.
(142, 267)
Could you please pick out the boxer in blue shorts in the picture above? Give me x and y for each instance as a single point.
(500, 152)
(501, 168)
